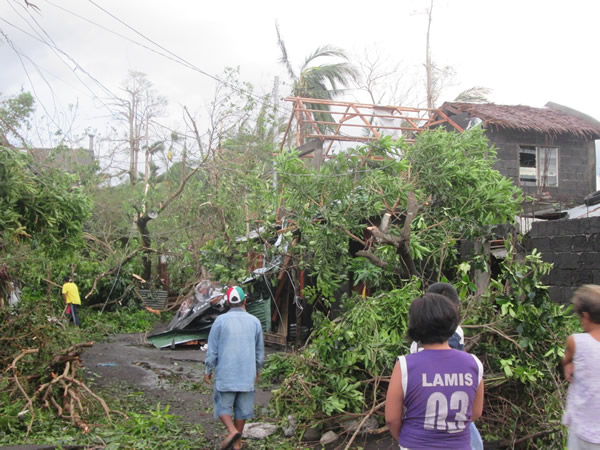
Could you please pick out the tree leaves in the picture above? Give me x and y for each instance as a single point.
(42, 207)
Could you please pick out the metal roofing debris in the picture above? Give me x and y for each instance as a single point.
(198, 312)
(583, 211)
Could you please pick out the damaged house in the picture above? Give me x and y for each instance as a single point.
(549, 152)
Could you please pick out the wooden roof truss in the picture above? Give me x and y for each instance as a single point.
(358, 122)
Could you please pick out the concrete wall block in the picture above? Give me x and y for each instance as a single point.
(590, 260)
(538, 229)
(561, 294)
(581, 277)
(561, 244)
(569, 261)
(555, 227)
(543, 244)
(550, 257)
(590, 225)
(579, 243)
(586, 226)
(595, 242)
(555, 293)
(569, 227)
(558, 277)
(548, 228)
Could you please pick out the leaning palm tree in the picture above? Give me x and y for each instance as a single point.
(324, 81)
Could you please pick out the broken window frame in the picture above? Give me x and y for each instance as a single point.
(542, 169)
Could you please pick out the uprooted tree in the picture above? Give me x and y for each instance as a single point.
(391, 216)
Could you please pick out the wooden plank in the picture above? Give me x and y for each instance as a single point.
(356, 104)
(287, 130)
(309, 117)
(358, 125)
(272, 338)
(361, 114)
(346, 138)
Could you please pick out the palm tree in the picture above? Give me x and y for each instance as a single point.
(323, 81)
(476, 94)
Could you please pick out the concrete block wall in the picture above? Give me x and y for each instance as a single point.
(573, 246)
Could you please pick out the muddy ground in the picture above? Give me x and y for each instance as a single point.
(175, 377)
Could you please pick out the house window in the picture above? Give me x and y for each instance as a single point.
(538, 166)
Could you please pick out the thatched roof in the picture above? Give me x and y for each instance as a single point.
(553, 119)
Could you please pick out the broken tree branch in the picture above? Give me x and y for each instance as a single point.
(125, 260)
(352, 235)
(377, 261)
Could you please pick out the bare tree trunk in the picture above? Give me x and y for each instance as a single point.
(428, 63)
(142, 225)
(132, 143)
(299, 310)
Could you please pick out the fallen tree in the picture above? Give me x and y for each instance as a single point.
(515, 329)
(40, 373)
(391, 216)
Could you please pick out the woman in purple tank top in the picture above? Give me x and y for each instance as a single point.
(435, 394)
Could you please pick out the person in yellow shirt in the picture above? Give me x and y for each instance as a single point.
(71, 295)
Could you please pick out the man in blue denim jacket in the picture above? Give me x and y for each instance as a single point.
(235, 353)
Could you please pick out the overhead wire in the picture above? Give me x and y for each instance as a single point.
(60, 55)
(19, 55)
(174, 57)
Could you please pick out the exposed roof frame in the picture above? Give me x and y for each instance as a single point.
(359, 122)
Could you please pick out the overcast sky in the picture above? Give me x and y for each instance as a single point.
(526, 51)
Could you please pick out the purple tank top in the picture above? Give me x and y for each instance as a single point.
(439, 388)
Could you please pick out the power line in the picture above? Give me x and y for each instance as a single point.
(58, 52)
(177, 58)
(174, 57)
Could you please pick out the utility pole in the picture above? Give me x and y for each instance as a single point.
(428, 63)
(275, 127)
(91, 146)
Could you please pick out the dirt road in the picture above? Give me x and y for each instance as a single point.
(174, 377)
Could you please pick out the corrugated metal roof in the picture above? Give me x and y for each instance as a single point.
(583, 211)
(262, 310)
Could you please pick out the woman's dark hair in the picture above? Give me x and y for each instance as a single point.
(65, 279)
(445, 289)
(432, 319)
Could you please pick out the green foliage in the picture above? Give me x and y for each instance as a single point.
(335, 373)
(158, 419)
(456, 169)
(457, 194)
(515, 329)
(154, 429)
(36, 325)
(315, 79)
(521, 336)
(29, 327)
(14, 115)
(463, 194)
(128, 319)
(41, 208)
